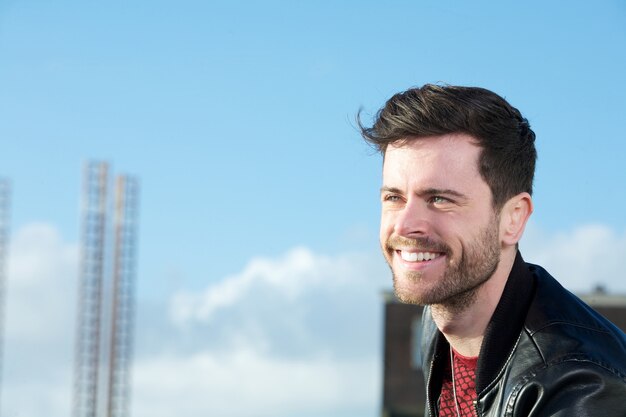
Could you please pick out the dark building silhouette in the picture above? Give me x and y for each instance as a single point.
(403, 382)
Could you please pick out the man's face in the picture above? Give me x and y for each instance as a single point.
(439, 232)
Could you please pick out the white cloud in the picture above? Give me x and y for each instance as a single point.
(289, 277)
(580, 258)
(299, 304)
(35, 395)
(39, 323)
(244, 382)
(293, 335)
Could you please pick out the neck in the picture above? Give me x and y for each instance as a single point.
(464, 328)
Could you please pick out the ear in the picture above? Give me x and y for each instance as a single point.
(513, 218)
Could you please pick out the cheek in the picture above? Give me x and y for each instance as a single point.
(382, 233)
(386, 226)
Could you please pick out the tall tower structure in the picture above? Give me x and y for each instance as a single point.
(89, 324)
(106, 294)
(5, 198)
(121, 341)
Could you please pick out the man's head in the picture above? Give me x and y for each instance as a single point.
(507, 160)
(457, 178)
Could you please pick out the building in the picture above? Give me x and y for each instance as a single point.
(403, 382)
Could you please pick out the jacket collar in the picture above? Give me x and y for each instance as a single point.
(506, 323)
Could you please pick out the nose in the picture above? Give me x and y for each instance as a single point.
(413, 219)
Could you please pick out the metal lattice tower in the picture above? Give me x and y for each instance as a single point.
(126, 205)
(88, 334)
(106, 296)
(5, 198)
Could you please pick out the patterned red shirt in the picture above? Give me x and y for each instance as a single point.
(465, 381)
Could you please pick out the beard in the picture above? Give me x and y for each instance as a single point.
(457, 287)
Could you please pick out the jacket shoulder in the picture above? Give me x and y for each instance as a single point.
(563, 327)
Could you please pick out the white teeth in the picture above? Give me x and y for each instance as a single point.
(417, 256)
(408, 256)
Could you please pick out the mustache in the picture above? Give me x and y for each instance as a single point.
(425, 244)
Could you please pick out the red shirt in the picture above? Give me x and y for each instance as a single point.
(465, 382)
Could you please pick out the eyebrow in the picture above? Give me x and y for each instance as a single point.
(445, 191)
(385, 189)
(427, 191)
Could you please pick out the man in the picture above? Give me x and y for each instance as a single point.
(500, 337)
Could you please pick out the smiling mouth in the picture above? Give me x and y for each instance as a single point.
(418, 256)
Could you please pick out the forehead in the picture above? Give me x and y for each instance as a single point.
(449, 161)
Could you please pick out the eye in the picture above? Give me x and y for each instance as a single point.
(438, 200)
(391, 198)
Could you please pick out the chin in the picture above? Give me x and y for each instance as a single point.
(409, 298)
(408, 294)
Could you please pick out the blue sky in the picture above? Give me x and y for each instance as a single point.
(238, 118)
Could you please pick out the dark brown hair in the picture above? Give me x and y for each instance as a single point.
(507, 160)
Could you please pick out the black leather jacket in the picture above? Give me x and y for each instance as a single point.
(544, 353)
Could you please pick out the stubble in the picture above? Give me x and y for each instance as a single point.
(458, 286)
